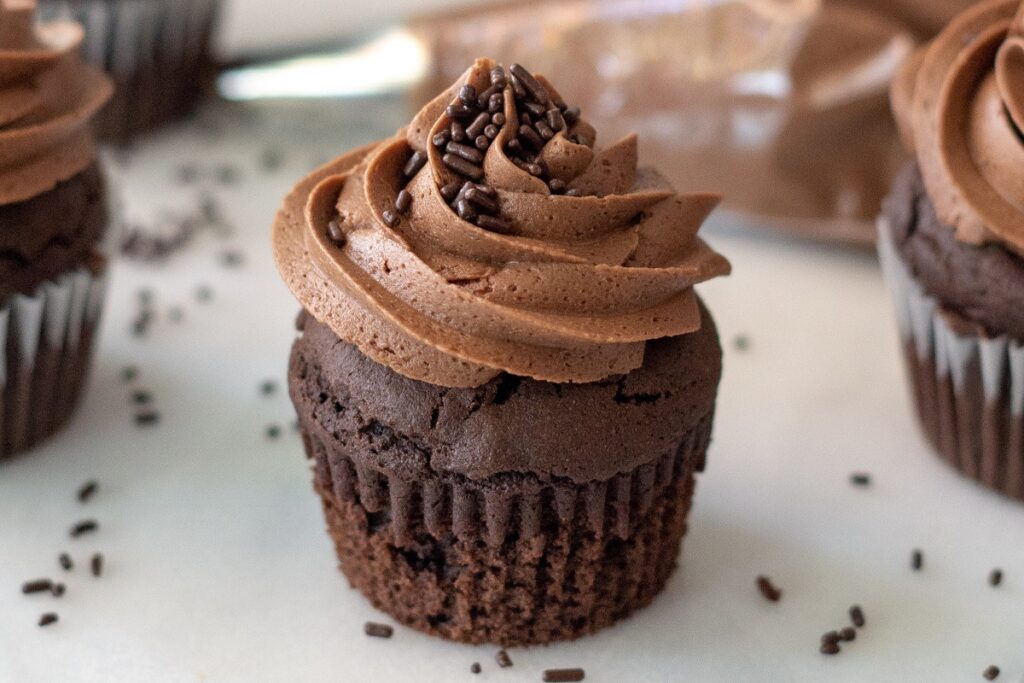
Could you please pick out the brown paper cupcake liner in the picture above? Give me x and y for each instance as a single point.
(46, 342)
(157, 52)
(510, 559)
(968, 387)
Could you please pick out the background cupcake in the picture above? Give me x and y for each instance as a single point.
(53, 216)
(952, 241)
(504, 377)
(157, 52)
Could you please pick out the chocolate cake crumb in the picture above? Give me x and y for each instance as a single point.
(96, 565)
(36, 586)
(87, 490)
(916, 560)
(65, 562)
(475, 667)
(86, 526)
(563, 675)
(376, 630)
(503, 660)
(48, 618)
(991, 673)
(857, 616)
(995, 578)
(770, 592)
(860, 479)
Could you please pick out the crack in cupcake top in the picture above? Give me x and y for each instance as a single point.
(490, 236)
(960, 105)
(47, 98)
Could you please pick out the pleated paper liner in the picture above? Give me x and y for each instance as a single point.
(968, 387)
(46, 342)
(157, 52)
(510, 559)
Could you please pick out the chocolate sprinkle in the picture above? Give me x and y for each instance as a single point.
(442, 138)
(502, 226)
(470, 154)
(829, 648)
(462, 167)
(860, 479)
(991, 673)
(336, 233)
(129, 373)
(58, 590)
(147, 418)
(142, 398)
(268, 388)
(768, 589)
(563, 675)
(376, 630)
(916, 560)
(857, 616)
(65, 562)
(475, 667)
(86, 526)
(391, 218)
(503, 660)
(36, 586)
(847, 633)
(995, 578)
(538, 91)
(273, 432)
(96, 565)
(47, 619)
(415, 163)
(403, 202)
(87, 490)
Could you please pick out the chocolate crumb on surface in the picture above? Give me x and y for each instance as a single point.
(861, 479)
(857, 616)
(563, 675)
(503, 660)
(770, 592)
(65, 562)
(376, 630)
(96, 565)
(991, 673)
(87, 490)
(475, 667)
(36, 586)
(48, 618)
(995, 578)
(916, 560)
(86, 526)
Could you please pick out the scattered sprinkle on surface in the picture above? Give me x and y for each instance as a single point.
(87, 490)
(36, 586)
(770, 592)
(916, 560)
(475, 667)
(995, 577)
(991, 673)
(86, 526)
(563, 675)
(48, 618)
(96, 565)
(861, 479)
(857, 616)
(65, 562)
(375, 630)
(503, 660)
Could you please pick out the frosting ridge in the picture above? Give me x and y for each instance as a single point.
(558, 263)
(47, 98)
(960, 105)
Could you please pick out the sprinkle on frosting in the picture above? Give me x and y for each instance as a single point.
(47, 98)
(960, 105)
(583, 260)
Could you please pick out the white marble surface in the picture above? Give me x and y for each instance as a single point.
(218, 568)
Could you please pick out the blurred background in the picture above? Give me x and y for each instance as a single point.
(781, 105)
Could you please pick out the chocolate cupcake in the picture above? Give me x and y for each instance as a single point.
(952, 241)
(53, 216)
(503, 376)
(157, 52)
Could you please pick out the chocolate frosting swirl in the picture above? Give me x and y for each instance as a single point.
(47, 98)
(960, 105)
(570, 294)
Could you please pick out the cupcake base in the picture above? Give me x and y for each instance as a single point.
(513, 563)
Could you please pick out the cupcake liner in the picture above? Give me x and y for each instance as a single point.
(46, 341)
(511, 559)
(157, 52)
(969, 387)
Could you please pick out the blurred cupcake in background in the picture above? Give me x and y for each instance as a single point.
(157, 52)
(53, 217)
(952, 241)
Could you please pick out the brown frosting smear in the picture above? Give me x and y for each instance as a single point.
(960, 105)
(47, 98)
(582, 258)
